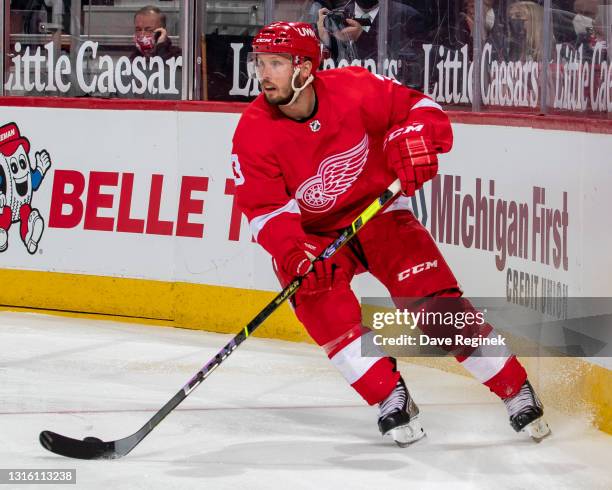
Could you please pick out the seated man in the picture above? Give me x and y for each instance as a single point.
(156, 63)
(150, 35)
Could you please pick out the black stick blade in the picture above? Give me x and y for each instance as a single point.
(75, 448)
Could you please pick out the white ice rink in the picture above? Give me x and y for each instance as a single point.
(274, 415)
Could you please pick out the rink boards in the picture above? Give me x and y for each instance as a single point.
(140, 219)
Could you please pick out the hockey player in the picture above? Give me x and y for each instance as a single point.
(309, 154)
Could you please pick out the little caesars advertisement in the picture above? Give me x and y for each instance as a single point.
(39, 71)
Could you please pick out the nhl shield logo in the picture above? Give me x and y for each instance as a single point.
(315, 125)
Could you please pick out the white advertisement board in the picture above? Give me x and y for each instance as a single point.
(149, 194)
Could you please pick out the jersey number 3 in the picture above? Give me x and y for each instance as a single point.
(238, 177)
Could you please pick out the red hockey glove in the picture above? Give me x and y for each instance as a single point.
(320, 279)
(412, 156)
(298, 262)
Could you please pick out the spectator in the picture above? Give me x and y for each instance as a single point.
(584, 26)
(360, 26)
(573, 21)
(311, 14)
(352, 33)
(603, 31)
(525, 39)
(492, 31)
(162, 66)
(150, 35)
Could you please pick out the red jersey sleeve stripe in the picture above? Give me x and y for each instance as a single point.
(257, 224)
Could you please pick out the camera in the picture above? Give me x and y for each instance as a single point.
(335, 20)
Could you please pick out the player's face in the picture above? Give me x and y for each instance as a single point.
(274, 72)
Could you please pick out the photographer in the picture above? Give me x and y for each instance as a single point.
(341, 29)
(352, 33)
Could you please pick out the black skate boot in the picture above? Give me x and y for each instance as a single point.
(526, 413)
(399, 417)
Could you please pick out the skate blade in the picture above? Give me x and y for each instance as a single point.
(538, 429)
(408, 434)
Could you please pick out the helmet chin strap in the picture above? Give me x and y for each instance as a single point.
(298, 90)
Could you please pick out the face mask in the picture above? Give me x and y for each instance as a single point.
(582, 23)
(489, 19)
(366, 4)
(144, 42)
(517, 27)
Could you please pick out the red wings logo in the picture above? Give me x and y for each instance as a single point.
(334, 177)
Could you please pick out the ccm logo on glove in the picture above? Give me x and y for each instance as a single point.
(412, 156)
(416, 128)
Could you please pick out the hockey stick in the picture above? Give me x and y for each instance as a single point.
(94, 448)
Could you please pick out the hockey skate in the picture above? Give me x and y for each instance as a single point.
(36, 225)
(526, 413)
(399, 417)
(3, 240)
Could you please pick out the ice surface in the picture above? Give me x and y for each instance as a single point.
(274, 415)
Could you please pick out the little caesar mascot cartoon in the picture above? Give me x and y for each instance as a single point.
(18, 180)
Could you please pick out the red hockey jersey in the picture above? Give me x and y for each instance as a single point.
(315, 176)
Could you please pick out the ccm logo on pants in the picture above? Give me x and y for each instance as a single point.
(425, 266)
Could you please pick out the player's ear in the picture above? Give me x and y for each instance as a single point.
(306, 69)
